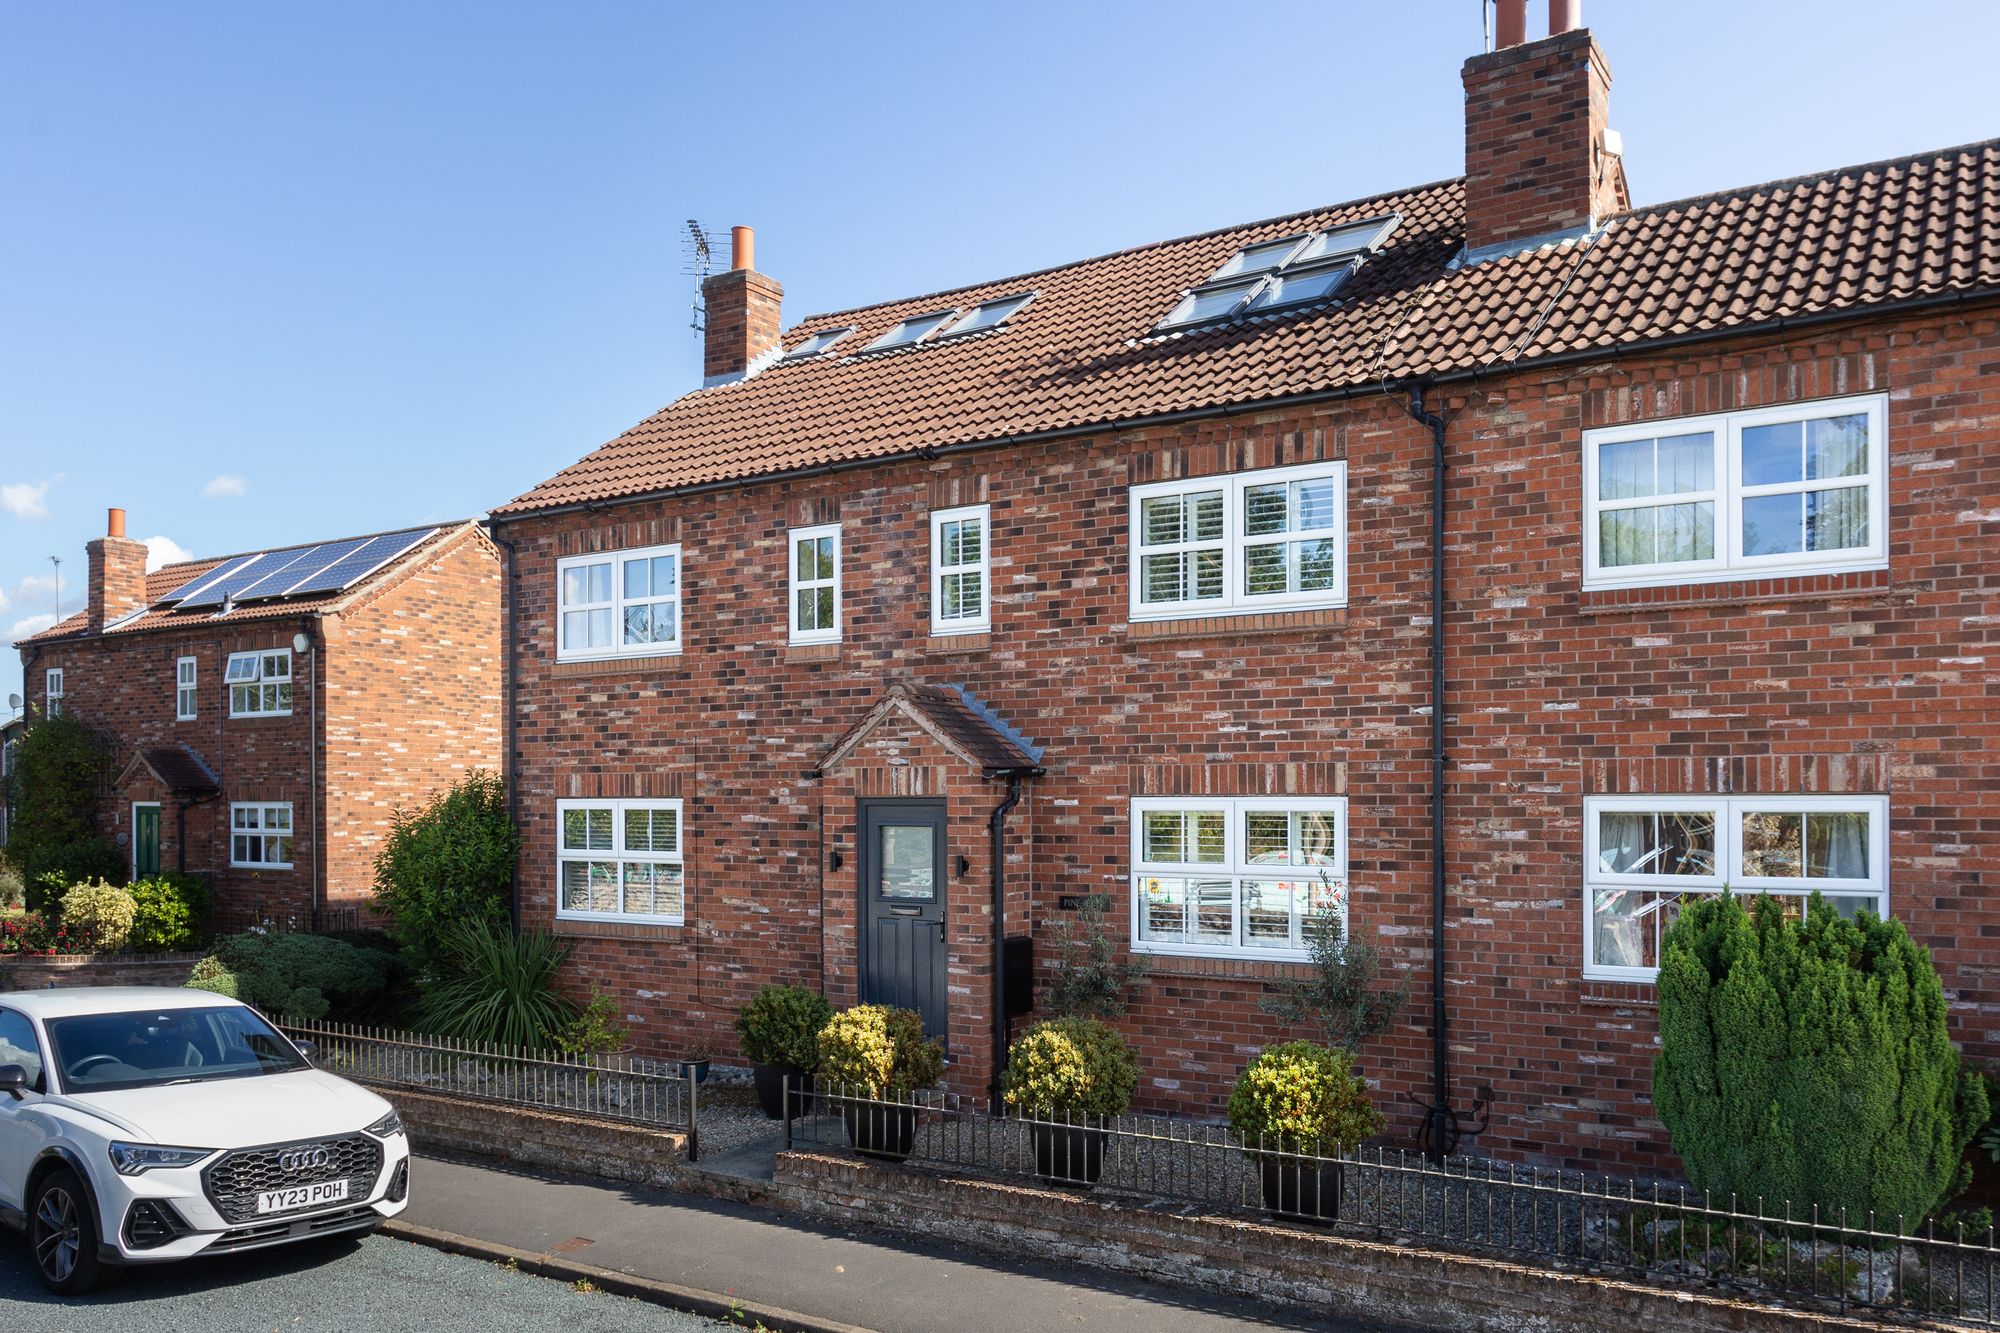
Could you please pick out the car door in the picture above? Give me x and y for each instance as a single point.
(20, 1137)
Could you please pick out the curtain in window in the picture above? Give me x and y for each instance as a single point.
(1837, 845)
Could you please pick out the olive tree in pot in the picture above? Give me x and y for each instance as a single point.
(1070, 1075)
(1296, 1105)
(780, 1029)
(870, 1055)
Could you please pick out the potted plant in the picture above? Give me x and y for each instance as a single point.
(700, 1052)
(1296, 1105)
(870, 1055)
(780, 1030)
(1070, 1075)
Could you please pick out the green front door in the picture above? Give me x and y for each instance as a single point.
(145, 841)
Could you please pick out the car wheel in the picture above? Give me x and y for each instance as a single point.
(62, 1234)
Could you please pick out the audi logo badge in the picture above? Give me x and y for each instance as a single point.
(302, 1159)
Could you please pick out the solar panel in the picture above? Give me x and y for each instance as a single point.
(351, 569)
(233, 563)
(310, 561)
(216, 591)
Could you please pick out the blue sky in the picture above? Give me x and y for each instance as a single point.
(278, 272)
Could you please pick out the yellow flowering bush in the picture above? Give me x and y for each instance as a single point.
(878, 1048)
(1070, 1067)
(1302, 1097)
(101, 913)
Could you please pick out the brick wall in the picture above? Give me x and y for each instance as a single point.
(42, 971)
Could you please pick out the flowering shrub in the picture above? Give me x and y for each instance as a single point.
(1304, 1098)
(878, 1048)
(100, 912)
(781, 1026)
(27, 933)
(1071, 1067)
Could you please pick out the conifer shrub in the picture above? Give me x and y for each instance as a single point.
(1806, 1061)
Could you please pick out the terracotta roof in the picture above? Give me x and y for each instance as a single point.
(168, 578)
(1083, 353)
(955, 718)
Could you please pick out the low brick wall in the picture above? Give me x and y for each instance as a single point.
(596, 1148)
(41, 971)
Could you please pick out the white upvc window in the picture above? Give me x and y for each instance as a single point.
(260, 835)
(52, 692)
(1644, 856)
(1798, 489)
(1239, 877)
(619, 604)
(260, 683)
(813, 559)
(186, 696)
(962, 570)
(620, 861)
(1274, 539)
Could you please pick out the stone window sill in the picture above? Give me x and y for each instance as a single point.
(951, 645)
(1233, 626)
(621, 668)
(617, 930)
(1222, 969)
(1872, 584)
(812, 652)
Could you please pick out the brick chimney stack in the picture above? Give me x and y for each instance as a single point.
(744, 332)
(117, 583)
(1540, 158)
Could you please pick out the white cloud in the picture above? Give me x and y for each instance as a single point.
(163, 551)
(226, 486)
(27, 625)
(27, 499)
(39, 586)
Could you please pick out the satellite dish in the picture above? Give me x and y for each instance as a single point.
(14, 702)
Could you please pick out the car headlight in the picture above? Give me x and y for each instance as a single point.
(388, 1126)
(129, 1159)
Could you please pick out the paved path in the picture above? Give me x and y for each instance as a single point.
(874, 1281)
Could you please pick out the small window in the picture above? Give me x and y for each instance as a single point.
(1242, 877)
(989, 314)
(619, 604)
(260, 683)
(815, 584)
(1646, 856)
(186, 697)
(260, 836)
(911, 331)
(52, 692)
(1273, 275)
(1268, 540)
(817, 343)
(19, 1046)
(961, 570)
(620, 861)
(1788, 490)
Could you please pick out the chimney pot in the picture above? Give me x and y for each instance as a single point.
(115, 523)
(1565, 15)
(115, 585)
(1511, 26)
(742, 248)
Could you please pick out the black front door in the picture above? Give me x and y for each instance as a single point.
(902, 908)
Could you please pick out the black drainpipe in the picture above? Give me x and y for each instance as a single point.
(1439, 1130)
(998, 824)
(507, 774)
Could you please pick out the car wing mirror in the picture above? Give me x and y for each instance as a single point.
(13, 1078)
(307, 1049)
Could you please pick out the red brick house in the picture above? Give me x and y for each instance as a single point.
(266, 712)
(1491, 561)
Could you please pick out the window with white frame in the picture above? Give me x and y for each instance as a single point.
(619, 604)
(52, 692)
(1779, 490)
(186, 700)
(260, 835)
(815, 583)
(619, 861)
(1269, 540)
(260, 683)
(961, 570)
(1238, 876)
(1644, 856)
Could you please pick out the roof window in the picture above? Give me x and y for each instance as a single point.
(1281, 274)
(988, 315)
(910, 331)
(816, 343)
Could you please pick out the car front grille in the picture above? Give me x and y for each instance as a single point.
(234, 1181)
(151, 1224)
(282, 1231)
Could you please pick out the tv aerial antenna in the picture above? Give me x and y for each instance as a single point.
(698, 253)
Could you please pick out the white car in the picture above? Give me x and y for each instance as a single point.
(142, 1124)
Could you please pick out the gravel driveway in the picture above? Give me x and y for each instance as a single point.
(373, 1284)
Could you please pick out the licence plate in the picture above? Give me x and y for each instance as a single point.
(301, 1196)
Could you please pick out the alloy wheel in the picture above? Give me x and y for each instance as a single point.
(57, 1239)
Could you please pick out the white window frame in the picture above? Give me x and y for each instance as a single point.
(1728, 812)
(263, 832)
(187, 688)
(1235, 866)
(52, 692)
(618, 854)
(1234, 542)
(1729, 563)
(255, 683)
(982, 622)
(794, 585)
(617, 605)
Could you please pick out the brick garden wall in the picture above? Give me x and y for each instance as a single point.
(42, 971)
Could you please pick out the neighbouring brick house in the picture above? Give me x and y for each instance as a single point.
(1147, 542)
(266, 712)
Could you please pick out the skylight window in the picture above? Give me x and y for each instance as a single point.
(818, 343)
(911, 331)
(989, 314)
(1281, 274)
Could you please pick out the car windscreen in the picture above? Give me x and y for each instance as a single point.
(147, 1048)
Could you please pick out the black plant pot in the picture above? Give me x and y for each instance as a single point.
(1069, 1154)
(1303, 1190)
(879, 1130)
(700, 1068)
(770, 1080)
